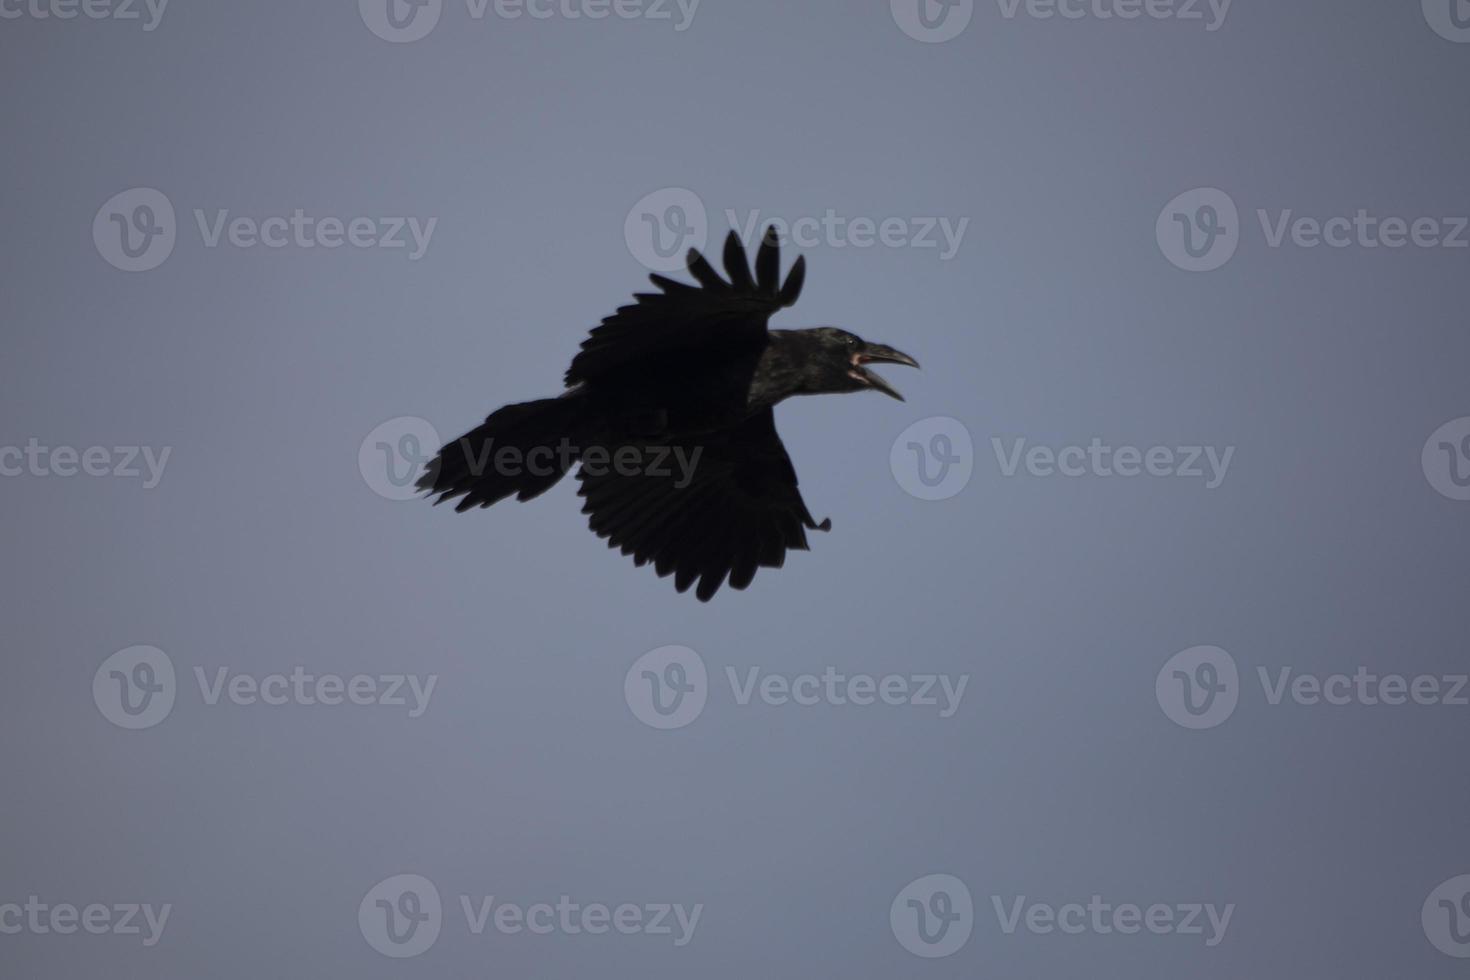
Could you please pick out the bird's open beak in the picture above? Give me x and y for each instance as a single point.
(879, 354)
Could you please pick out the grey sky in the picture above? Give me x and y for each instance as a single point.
(1293, 502)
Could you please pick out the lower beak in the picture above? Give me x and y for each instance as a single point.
(881, 354)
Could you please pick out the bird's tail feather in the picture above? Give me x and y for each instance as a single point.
(522, 449)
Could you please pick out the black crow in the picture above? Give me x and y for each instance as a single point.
(667, 415)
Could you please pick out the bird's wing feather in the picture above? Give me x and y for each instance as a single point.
(716, 317)
(740, 509)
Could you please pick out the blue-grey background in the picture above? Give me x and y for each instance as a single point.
(263, 548)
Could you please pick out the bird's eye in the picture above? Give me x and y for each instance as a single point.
(850, 340)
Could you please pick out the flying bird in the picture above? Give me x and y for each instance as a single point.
(667, 416)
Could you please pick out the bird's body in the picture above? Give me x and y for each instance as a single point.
(668, 415)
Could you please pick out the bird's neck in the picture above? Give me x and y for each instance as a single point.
(781, 370)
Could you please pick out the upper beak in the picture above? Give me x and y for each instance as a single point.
(881, 354)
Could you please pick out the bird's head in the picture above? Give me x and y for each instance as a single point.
(837, 361)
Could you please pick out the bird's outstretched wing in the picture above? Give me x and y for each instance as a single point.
(715, 317)
(737, 507)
